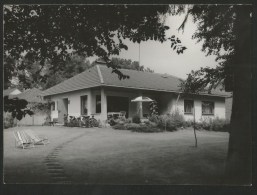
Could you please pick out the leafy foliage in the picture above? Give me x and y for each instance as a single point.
(17, 107)
(135, 127)
(215, 30)
(136, 119)
(129, 64)
(8, 120)
(40, 107)
(42, 33)
(153, 108)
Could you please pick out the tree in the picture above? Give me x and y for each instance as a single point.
(72, 67)
(129, 64)
(28, 76)
(42, 32)
(226, 32)
(53, 33)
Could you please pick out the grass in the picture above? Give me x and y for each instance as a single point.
(106, 156)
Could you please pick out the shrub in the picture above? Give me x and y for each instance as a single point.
(146, 128)
(8, 121)
(119, 127)
(132, 126)
(188, 124)
(154, 118)
(136, 119)
(178, 118)
(215, 124)
(47, 121)
(219, 125)
(154, 108)
(198, 125)
(142, 128)
(171, 122)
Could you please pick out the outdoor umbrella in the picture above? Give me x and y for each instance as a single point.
(141, 99)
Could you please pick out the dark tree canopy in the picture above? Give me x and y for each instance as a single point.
(42, 33)
(129, 64)
(216, 31)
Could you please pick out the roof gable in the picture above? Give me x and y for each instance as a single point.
(11, 91)
(86, 79)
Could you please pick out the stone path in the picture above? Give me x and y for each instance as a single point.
(54, 167)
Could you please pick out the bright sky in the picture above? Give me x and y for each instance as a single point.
(162, 59)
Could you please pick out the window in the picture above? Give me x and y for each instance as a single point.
(98, 104)
(207, 108)
(188, 106)
(83, 100)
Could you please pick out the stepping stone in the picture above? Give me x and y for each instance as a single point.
(54, 165)
(55, 168)
(63, 182)
(58, 175)
(51, 157)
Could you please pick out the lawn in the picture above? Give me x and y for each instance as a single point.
(107, 156)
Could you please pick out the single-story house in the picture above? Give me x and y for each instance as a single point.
(98, 91)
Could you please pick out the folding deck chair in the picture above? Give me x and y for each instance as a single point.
(22, 140)
(38, 140)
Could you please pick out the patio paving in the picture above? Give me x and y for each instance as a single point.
(107, 156)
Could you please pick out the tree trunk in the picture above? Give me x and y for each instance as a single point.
(239, 159)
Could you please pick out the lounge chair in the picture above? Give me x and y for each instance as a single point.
(38, 140)
(22, 140)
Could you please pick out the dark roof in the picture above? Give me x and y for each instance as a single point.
(140, 80)
(31, 95)
(101, 75)
(86, 79)
(8, 91)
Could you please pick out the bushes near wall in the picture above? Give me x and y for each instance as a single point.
(9, 121)
(136, 119)
(218, 125)
(148, 127)
(215, 124)
(169, 122)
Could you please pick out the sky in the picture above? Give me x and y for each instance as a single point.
(162, 59)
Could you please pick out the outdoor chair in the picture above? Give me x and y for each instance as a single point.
(38, 140)
(52, 123)
(22, 140)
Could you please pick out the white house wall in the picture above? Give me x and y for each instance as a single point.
(167, 103)
(219, 108)
(74, 108)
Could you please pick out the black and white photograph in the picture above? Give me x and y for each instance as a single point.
(127, 94)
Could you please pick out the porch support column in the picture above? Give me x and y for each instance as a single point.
(89, 102)
(103, 105)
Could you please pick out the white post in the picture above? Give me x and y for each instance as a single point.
(89, 103)
(103, 105)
